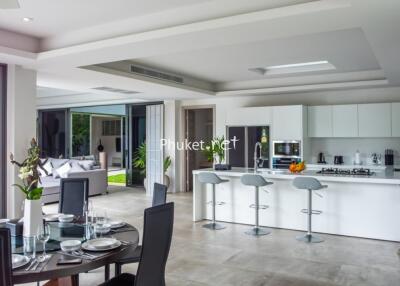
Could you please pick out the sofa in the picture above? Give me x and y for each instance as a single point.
(70, 168)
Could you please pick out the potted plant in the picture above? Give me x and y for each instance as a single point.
(29, 175)
(215, 153)
(139, 161)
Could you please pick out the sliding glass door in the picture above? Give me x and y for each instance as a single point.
(3, 141)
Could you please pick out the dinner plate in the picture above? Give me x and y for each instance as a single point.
(51, 217)
(19, 260)
(116, 224)
(101, 244)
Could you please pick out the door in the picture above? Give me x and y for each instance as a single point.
(199, 126)
(53, 133)
(135, 130)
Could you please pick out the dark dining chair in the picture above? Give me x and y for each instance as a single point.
(157, 236)
(73, 196)
(5, 258)
(159, 198)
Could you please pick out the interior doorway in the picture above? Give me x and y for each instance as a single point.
(199, 125)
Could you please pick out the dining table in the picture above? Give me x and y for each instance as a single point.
(64, 275)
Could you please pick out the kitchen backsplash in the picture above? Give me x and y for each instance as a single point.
(347, 147)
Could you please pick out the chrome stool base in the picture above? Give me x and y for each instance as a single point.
(214, 226)
(258, 231)
(309, 238)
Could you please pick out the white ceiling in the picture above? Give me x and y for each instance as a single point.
(53, 18)
(347, 50)
(212, 43)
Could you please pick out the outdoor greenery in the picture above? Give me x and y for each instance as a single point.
(80, 134)
(139, 160)
(119, 179)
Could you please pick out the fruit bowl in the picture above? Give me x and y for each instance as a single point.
(297, 167)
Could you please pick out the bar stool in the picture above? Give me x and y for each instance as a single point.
(213, 179)
(310, 184)
(256, 181)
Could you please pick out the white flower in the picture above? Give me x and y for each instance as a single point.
(24, 173)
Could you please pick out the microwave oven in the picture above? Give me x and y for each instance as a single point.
(286, 149)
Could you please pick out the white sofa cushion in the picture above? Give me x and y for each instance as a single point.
(62, 172)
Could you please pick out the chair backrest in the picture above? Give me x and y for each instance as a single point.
(159, 194)
(209, 178)
(254, 180)
(73, 196)
(5, 258)
(307, 183)
(157, 236)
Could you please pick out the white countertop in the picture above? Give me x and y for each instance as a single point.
(379, 177)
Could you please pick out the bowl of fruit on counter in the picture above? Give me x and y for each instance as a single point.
(297, 167)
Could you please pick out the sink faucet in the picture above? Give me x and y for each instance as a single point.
(257, 146)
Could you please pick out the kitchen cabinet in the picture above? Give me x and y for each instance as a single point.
(396, 119)
(375, 120)
(320, 121)
(345, 120)
(249, 116)
(287, 122)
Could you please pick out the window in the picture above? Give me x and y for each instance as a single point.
(111, 127)
(3, 142)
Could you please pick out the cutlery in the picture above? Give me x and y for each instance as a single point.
(44, 264)
(33, 261)
(75, 255)
(88, 254)
(36, 266)
(83, 254)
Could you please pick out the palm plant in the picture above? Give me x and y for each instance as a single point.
(139, 159)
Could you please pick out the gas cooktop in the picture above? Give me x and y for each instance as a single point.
(346, 172)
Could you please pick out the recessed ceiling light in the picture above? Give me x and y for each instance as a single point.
(295, 68)
(27, 19)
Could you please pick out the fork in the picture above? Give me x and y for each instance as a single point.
(34, 260)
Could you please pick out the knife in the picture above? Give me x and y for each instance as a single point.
(31, 264)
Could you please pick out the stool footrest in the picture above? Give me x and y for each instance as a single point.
(315, 212)
(260, 207)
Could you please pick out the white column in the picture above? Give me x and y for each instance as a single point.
(171, 133)
(21, 127)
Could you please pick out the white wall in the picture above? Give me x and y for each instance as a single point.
(21, 127)
(348, 146)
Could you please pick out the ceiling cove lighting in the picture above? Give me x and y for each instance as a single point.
(294, 68)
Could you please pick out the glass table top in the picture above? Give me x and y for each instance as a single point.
(58, 232)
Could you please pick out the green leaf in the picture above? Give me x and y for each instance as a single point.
(22, 188)
(35, 194)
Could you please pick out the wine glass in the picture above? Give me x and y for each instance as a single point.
(43, 235)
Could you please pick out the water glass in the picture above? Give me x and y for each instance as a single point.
(30, 247)
(43, 235)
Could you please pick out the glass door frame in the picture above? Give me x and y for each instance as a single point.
(3, 142)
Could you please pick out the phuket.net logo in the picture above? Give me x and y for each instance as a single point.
(217, 143)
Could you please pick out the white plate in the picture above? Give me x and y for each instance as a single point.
(19, 260)
(70, 245)
(101, 244)
(51, 217)
(116, 224)
(66, 218)
(102, 229)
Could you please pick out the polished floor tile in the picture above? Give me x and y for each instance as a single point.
(200, 257)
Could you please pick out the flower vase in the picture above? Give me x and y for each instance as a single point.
(33, 217)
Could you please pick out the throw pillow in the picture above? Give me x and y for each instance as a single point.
(63, 170)
(48, 167)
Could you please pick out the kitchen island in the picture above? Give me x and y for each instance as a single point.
(358, 206)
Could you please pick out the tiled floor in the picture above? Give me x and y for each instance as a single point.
(229, 257)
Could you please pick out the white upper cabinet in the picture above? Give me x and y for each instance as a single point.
(249, 116)
(345, 120)
(396, 119)
(375, 120)
(287, 122)
(320, 121)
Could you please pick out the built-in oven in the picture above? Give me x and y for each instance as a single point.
(286, 149)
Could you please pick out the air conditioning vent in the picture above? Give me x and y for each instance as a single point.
(156, 74)
(117, 90)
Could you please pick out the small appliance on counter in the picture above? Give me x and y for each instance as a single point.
(376, 159)
(389, 157)
(222, 167)
(338, 160)
(321, 158)
(357, 158)
(284, 163)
